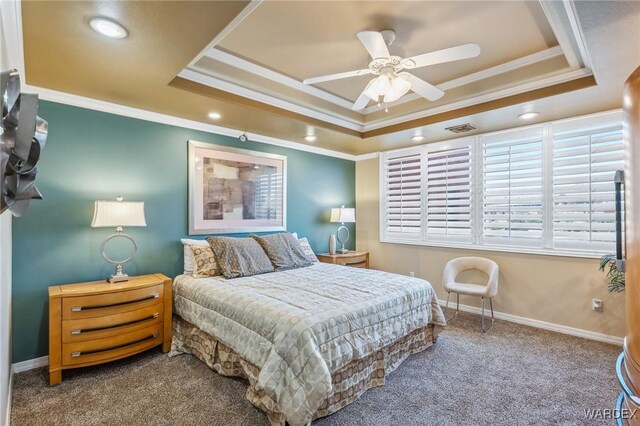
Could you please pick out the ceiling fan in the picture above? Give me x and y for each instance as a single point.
(393, 81)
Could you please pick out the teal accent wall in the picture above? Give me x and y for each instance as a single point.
(95, 156)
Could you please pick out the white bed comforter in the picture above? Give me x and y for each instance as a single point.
(301, 325)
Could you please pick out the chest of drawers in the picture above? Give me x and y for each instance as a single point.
(95, 322)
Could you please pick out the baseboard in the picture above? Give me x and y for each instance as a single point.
(7, 420)
(614, 340)
(30, 364)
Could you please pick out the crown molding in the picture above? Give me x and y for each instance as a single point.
(248, 10)
(576, 30)
(201, 76)
(140, 114)
(561, 17)
(492, 96)
(255, 69)
(564, 23)
(12, 26)
(216, 83)
(506, 67)
(368, 156)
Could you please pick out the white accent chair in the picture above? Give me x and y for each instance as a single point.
(461, 264)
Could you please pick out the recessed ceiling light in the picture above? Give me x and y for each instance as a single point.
(108, 27)
(417, 138)
(310, 138)
(214, 115)
(529, 115)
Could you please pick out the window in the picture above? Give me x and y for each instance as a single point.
(512, 201)
(449, 192)
(402, 185)
(538, 189)
(585, 159)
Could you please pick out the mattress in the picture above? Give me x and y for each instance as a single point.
(300, 326)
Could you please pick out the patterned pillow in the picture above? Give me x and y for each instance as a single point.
(308, 251)
(204, 263)
(239, 257)
(188, 254)
(284, 251)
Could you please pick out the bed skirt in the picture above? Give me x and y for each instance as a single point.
(349, 383)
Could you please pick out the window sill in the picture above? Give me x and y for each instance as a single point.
(514, 249)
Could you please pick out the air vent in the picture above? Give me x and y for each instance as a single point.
(461, 128)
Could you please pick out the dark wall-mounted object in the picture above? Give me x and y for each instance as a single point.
(23, 138)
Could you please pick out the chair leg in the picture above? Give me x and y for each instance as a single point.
(484, 330)
(446, 308)
(491, 305)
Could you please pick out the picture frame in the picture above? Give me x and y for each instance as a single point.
(233, 190)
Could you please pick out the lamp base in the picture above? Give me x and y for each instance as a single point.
(118, 278)
(342, 239)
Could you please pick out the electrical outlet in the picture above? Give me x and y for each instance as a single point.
(412, 274)
(596, 305)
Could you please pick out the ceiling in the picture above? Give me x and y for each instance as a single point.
(246, 60)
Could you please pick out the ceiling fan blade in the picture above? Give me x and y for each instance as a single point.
(425, 89)
(464, 51)
(361, 102)
(374, 43)
(338, 76)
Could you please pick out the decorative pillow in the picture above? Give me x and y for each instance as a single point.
(284, 251)
(239, 257)
(308, 251)
(188, 254)
(204, 263)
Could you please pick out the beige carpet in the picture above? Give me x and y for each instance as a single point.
(513, 375)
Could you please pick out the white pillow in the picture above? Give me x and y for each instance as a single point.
(308, 251)
(188, 254)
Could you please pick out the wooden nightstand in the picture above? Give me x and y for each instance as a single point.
(357, 259)
(95, 322)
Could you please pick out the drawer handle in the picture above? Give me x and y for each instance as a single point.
(79, 354)
(85, 308)
(87, 330)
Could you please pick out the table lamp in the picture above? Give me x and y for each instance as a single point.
(343, 215)
(118, 214)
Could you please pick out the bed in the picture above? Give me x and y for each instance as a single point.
(309, 340)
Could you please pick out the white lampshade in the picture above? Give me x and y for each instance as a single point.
(400, 85)
(118, 213)
(377, 87)
(343, 215)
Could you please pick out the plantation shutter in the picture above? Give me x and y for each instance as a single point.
(512, 188)
(402, 194)
(586, 154)
(449, 190)
(267, 197)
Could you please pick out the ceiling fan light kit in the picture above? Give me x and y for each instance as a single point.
(392, 82)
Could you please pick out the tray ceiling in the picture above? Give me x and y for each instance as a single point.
(246, 60)
(307, 39)
(274, 46)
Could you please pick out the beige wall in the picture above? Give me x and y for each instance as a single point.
(553, 289)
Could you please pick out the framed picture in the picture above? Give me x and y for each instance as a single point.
(235, 190)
